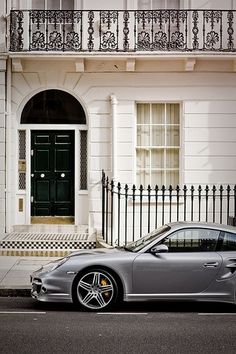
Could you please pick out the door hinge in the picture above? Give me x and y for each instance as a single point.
(32, 199)
(32, 152)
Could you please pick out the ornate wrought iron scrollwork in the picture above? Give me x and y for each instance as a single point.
(16, 31)
(126, 17)
(160, 41)
(230, 31)
(73, 41)
(213, 37)
(144, 38)
(195, 30)
(108, 41)
(109, 30)
(114, 31)
(37, 17)
(90, 30)
(55, 30)
(38, 41)
(55, 41)
(73, 30)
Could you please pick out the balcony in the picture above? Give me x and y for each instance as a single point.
(123, 31)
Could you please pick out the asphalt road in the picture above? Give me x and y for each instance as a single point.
(31, 327)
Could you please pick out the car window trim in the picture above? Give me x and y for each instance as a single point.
(190, 228)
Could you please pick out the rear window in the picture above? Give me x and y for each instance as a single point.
(229, 242)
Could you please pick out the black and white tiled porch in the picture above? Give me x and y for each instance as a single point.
(46, 240)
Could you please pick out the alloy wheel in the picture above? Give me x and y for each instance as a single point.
(95, 290)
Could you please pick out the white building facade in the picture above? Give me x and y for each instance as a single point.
(147, 96)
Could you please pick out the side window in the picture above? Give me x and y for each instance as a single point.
(229, 242)
(192, 240)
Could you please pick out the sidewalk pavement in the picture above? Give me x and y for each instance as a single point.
(15, 274)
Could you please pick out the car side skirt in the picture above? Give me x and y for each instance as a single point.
(219, 297)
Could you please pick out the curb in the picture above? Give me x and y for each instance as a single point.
(15, 292)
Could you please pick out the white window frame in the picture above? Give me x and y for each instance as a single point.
(161, 147)
(152, 7)
(46, 4)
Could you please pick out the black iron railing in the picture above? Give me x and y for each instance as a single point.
(129, 212)
(122, 31)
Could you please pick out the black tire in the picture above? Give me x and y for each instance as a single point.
(95, 290)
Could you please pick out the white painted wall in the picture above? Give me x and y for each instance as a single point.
(2, 145)
(208, 121)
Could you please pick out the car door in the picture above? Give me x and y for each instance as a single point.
(227, 250)
(189, 266)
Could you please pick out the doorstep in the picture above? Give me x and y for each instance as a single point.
(45, 244)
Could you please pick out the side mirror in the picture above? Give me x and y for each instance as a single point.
(159, 249)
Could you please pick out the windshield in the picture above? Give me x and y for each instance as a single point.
(145, 240)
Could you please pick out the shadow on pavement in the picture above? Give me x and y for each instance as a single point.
(175, 307)
(25, 303)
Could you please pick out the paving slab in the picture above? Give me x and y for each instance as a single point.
(15, 271)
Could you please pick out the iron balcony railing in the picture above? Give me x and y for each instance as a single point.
(122, 31)
(129, 212)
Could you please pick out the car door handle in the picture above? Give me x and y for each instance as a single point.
(211, 264)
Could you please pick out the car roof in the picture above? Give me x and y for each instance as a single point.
(208, 225)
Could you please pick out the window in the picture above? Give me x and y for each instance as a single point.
(53, 107)
(229, 242)
(158, 144)
(52, 4)
(192, 240)
(158, 4)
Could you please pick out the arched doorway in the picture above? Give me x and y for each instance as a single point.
(53, 152)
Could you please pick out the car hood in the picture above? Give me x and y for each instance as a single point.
(93, 252)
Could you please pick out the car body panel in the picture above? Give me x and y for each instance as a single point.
(174, 272)
(198, 276)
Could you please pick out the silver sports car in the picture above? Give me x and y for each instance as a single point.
(179, 261)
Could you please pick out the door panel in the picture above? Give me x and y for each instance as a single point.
(172, 273)
(62, 191)
(52, 173)
(42, 160)
(42, 191)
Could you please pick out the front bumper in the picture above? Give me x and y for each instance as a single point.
(50, 287)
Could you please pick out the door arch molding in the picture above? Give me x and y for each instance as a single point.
(81, 194)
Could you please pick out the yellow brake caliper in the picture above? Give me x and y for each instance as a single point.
(103, 283)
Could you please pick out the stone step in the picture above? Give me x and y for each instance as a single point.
(45, 244)
(51, 228)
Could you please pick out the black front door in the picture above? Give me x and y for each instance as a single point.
(52, 173)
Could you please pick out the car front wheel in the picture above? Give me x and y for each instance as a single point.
(96, 289)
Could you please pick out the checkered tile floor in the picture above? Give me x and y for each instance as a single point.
(39, 243)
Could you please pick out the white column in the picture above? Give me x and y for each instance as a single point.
(8, 148)
(114, 135)
(114, 103)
